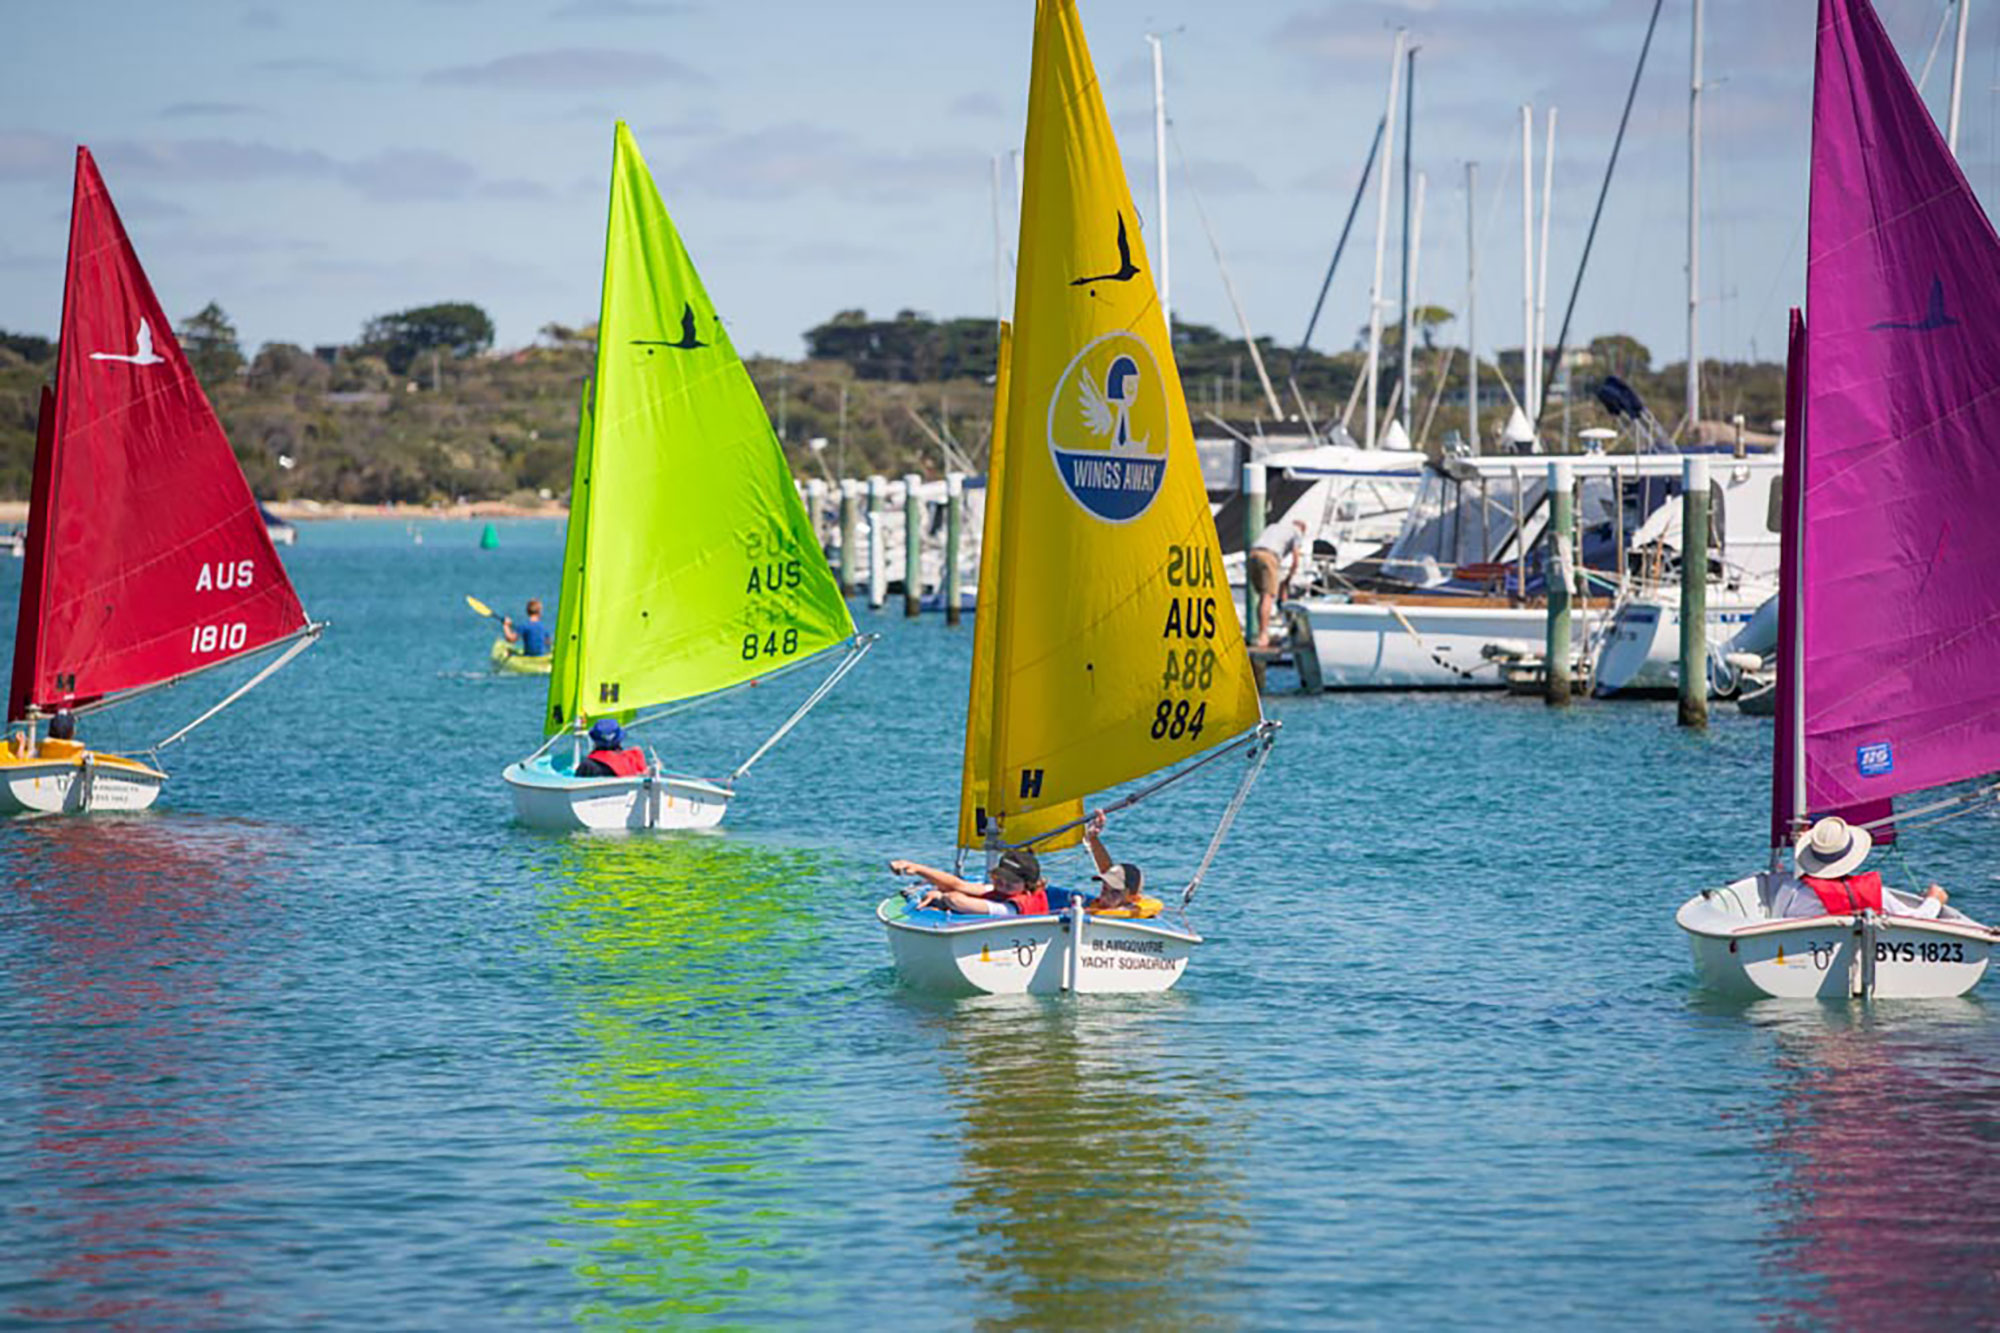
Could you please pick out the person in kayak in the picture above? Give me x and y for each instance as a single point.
(610, 758)
(1017, 887)
(532, 635)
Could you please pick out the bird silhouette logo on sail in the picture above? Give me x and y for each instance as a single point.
(688, 340)
(1108, 426)
(142, 353)
(1934, 315)
(1126, 270)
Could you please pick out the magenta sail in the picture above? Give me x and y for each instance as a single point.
(1900, 603)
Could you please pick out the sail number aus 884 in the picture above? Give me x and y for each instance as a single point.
(1175, 718)
(770, 645)
(219, 638)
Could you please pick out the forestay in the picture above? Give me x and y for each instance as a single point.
(692, 566)
(1901, 609)
(147, 559)
(1117, 650)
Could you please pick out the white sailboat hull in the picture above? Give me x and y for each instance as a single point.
(1071, 951)
(546, 798)
(1742, 951)
(67, 787)
(1641, 652)
(1372, 645)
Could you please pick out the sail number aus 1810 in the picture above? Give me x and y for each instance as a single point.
(219, 638)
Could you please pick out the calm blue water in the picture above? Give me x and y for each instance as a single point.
(325, 1039)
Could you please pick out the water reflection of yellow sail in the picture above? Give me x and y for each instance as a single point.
(136, 925)
(673, 955)
(1888, 1211)
(1099, 1171)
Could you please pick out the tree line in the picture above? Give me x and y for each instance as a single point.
(419, 408)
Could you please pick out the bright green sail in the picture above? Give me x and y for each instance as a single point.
(690, 563)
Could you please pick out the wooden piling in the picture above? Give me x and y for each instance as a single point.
(1694, 592)
(1556, 584)
(913, 544)
(850, 537)
(954, 526)
(878, 559)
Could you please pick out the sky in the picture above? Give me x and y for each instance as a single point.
(309, 166)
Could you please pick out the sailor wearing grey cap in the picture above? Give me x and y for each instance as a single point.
(1017, 887)
(1120, 882)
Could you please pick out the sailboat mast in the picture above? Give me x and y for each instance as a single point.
(1957, 80)
(999, 251)
(1694, 237)
(1542, 369)
(1409, 225)
(1471, 309)
(1374, 376)
(1527, 254)
(1160, 178)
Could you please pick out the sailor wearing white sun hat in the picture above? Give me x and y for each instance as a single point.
(1827, 856)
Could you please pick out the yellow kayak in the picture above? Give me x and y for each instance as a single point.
(507, 658)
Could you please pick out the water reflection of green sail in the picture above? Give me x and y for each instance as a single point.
(672, 958)
(1098, 1172)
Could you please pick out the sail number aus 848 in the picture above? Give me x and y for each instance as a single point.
(770, 645)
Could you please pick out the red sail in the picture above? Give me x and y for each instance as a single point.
(147, 558)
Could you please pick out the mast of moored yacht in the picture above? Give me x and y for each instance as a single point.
(1160, 178)
(1409, 235)
(1957, 81)
(1694, 238)
(1471, 309)
(1373, 378)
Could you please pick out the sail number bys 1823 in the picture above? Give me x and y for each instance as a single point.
(1189, 636)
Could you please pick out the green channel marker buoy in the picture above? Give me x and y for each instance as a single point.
(490, 538)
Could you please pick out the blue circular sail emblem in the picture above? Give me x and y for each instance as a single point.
(1108, 426)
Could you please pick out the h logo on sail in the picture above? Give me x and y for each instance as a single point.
(1108, 427)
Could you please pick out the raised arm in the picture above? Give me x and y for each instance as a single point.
(937, 879)
(1091, 831)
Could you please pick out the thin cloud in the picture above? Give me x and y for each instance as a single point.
(622, 9)
(210, 160)
(514, 188)
(979, 106)
(339, 71)
(788, 160)
(263, 19)
(568, 70)
(190, 110)
(406, 175)
(29, 155)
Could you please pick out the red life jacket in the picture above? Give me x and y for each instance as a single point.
(1030, 902)
(625, 763)
(1848, 894)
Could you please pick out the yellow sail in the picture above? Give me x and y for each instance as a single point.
(1117, 652)
(979, 709)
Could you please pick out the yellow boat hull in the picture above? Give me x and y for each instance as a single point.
(65, 778)
(507, 660)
